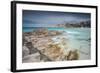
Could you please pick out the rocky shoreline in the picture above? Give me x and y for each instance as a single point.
(38, 46)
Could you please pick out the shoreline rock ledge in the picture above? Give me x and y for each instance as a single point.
(38, 46)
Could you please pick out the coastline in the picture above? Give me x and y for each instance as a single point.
(50, 45)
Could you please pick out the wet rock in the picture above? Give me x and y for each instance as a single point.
(27, 33)
(31, 48)
(31, 58)
(73, 55)
(41, 32)
(54, 33)
(25, 51)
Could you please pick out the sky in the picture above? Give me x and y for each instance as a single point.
(32, 18)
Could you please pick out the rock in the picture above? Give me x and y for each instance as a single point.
(25, 51)
(27, 33)
(41, 32)
(45, 58)
(73, 55)
(54, 33)
(31, 58)
(54, 52)
(31, 48)
(42, 47)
